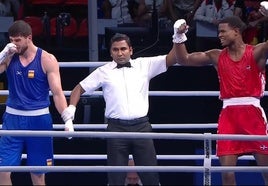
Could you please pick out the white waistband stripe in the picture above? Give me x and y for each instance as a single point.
(37, 112)
(241, 101)
(244, 101)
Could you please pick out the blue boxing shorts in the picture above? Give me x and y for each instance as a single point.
(39, 150)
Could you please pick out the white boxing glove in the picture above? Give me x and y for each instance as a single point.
(180, 28)
(8, 51)
(69, 126)
(68, 113)
(264, 8)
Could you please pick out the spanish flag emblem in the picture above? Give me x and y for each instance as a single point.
(31, 74)
(49, 162)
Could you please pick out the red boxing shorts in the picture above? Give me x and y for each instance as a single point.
(241, 119)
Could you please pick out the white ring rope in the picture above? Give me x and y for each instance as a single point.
(159, 157)
(154, 126)
(133, 135)
(82, 64)
(93, 64)
(102, 168)
(131, 168)
(151, 93)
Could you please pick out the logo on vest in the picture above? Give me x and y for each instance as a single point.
(49, 162)
(263, 147)
(19, 73)
(31, 74)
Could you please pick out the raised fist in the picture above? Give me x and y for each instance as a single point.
(180, 28)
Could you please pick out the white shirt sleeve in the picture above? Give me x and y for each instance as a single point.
(92, 82)
(153, 65)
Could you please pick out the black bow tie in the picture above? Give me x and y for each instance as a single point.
(127, 64)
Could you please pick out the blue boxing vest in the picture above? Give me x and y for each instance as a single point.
(28, 86)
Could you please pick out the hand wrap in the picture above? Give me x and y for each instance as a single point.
(179, 35)
(68, 113)
(8, 51)
(69, 126)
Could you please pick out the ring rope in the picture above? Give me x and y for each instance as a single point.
(159, 157)
(131, 168)
(94, 64)
(82, 64)
(151, 93)
(154, 126)
(133, 135)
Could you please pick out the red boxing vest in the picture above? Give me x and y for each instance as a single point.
(241, 78)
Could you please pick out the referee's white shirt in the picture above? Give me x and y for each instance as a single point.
(125, 90)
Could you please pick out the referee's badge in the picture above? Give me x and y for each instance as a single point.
(31, 74)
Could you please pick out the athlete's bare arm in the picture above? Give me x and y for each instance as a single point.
(195, 58)
(209, 57)
(51, 68)
(261, 54)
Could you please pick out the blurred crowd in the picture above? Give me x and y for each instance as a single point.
(140, 12)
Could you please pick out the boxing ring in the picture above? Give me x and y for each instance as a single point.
(84, 131)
